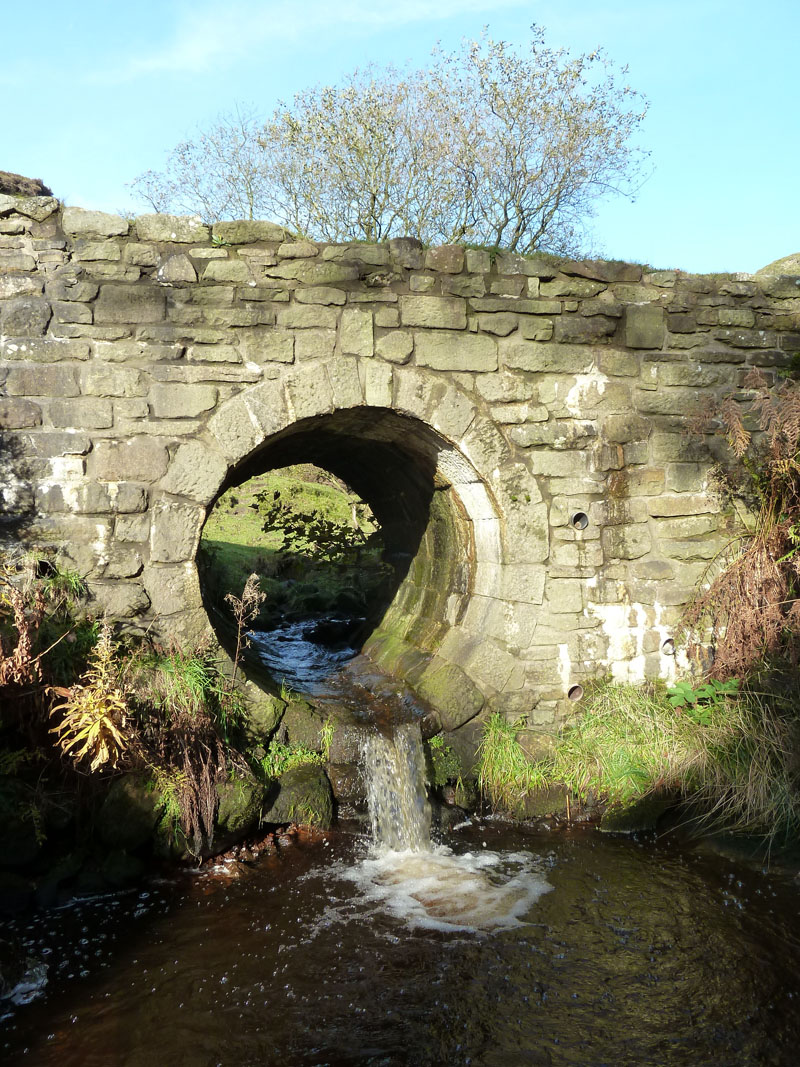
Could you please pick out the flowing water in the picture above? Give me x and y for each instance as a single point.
(496, 946)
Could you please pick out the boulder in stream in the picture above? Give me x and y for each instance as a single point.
(129, 813)
(304, 796)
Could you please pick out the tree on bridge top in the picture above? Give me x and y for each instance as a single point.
(488, 145)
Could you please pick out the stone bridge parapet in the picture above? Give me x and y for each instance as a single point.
(528, 416)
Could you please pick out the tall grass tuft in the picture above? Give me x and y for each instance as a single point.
(737, 768)
(505, 774)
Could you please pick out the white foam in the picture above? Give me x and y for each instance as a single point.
(439, 890)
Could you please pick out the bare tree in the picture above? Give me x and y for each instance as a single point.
(220, 174)
(488, 144)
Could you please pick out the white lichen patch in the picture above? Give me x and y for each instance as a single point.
(594, 381)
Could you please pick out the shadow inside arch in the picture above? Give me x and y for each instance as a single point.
(397, 465)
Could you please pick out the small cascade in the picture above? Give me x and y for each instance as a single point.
(405, 875)
(394, 768)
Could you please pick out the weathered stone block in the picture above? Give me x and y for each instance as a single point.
(355, 332)
(377, 384)
(175, 401)
(316, 272)
(172, 589)
(307, 316)
(551, 358)
(82, 413)
(174, 532)
(575, 329)
(449, 259)
(308, 392)
(320, 294)
(12, 261)
(41, 380)
(437, 312)
(112, 380)
(314, 344)
(138, 459)
(177, 268)
(395, 347)
(18, 414)
(667, 506)
(119, 599)
(626, 541)
(196, 472)
(129, 304)
(269, 346)
(501, 323)
(345, 383)
(227, 270)
(93, 251)
(619, 429)
(686, 526)
(71, 311)
(452, 284)
(213, 354)
(25, 316)
(454, 351)
(537, 329)
(245, 232)
(644, 326)
(79, 222)
(180, 229)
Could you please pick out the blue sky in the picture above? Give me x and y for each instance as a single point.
(97, 92)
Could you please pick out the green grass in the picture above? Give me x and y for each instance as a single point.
(281, 758)
(505, 774)
(736, 770)
(234, 545)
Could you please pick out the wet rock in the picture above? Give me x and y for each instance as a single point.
(21, 976)
(347, 783)
(542, 802)
(16, 893)
(239, 811)
(304, 797)
(119, 869)
(641, 815)
(50, 888)
(303, 725)
(128, 816)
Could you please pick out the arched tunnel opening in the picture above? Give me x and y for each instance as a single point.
(418, 488)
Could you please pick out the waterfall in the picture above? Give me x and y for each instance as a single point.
(394, 768)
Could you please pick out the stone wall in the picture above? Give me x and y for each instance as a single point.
(529, 418)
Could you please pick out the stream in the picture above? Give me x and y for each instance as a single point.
(495, 945)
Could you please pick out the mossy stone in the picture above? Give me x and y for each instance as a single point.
(129, 813)
(637, 816)
(239, 808)
(304, 796)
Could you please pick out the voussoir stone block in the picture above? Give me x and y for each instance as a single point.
(196, 471)
(175, 531)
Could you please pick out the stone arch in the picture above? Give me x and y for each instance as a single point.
(467, 601)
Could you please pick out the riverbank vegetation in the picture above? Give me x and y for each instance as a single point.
(730, 761)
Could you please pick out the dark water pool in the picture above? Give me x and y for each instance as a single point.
(638, 953)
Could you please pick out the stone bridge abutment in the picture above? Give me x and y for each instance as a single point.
(520, 426)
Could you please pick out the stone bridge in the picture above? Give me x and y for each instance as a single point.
(520, 426)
